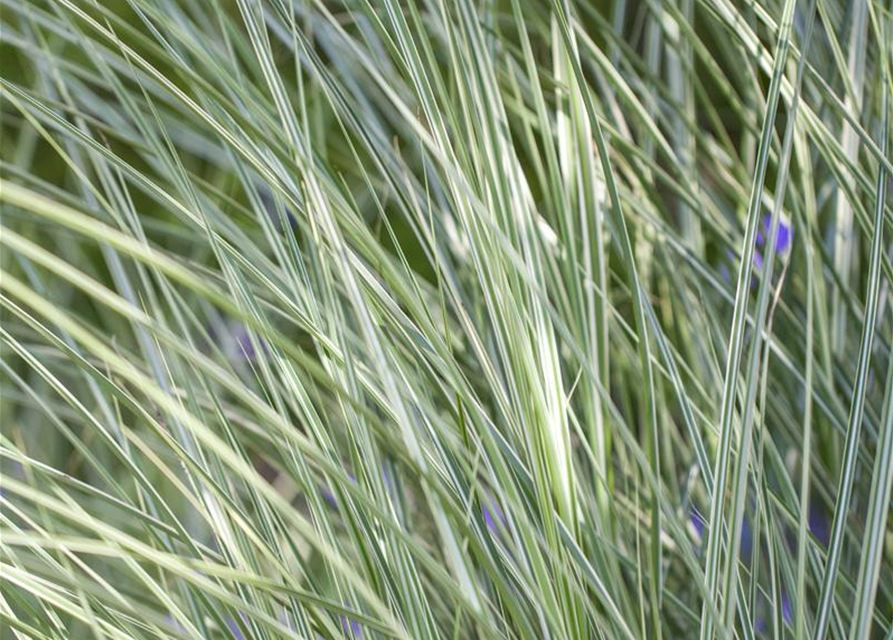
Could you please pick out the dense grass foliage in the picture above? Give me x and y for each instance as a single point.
(446, 319)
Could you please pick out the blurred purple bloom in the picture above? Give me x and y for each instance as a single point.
(760, 625)
(783, 243)
(786, 612)
(269, 203)
(246, 347)
(819, 524)
(245, 342)
(489, 521)
(235, 630)
(352, 628)
(757, 261)
(746, 539)
(388, 478)
(698, 522)
(238, 343)
(329, 497)
(491, 510)
(724, 272)
(783, 239)
(176, 624)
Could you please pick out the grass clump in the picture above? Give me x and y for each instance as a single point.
(446, 319)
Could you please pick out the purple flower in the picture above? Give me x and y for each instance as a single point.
(238, 343)
(757, 261)
(760, 625)
(819, 525)
(269, 203)
(724, 273)
(244, 342)
(724, 270)
(329, 497)
(174, 624)
(488, 511)
(746, 539)
(698, 522)
(489, 521)
(782, 240)
(352, 628)
(235, 630)
(786, 612)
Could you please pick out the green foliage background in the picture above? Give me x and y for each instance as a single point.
(446, 319)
